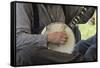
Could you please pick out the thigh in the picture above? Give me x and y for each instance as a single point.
(83, 45)
(26, 56)
(32, 55)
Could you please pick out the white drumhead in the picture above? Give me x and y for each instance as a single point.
(58, 27)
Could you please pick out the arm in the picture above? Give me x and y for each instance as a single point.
(23, 27)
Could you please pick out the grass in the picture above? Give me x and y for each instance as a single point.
(87, 30)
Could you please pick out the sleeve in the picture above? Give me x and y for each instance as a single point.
(24, 37)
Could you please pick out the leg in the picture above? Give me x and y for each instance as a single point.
(33, 55)
(91, 53)
(83, 45)
(87, 48)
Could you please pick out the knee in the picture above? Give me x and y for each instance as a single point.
(26, 56)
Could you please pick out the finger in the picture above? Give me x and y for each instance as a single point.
(63, 39)
(62, 42)
(64, 33)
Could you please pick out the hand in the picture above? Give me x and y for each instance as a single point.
(57, 37)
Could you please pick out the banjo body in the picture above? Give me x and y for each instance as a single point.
(69, 45)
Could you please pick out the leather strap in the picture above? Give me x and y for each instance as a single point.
(35, 24)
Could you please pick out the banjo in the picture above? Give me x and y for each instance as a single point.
(69, 45)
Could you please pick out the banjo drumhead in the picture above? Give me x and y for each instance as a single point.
(69, 45)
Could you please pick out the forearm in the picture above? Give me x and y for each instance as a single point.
(25, 39)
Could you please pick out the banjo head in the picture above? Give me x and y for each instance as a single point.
(69, 45)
